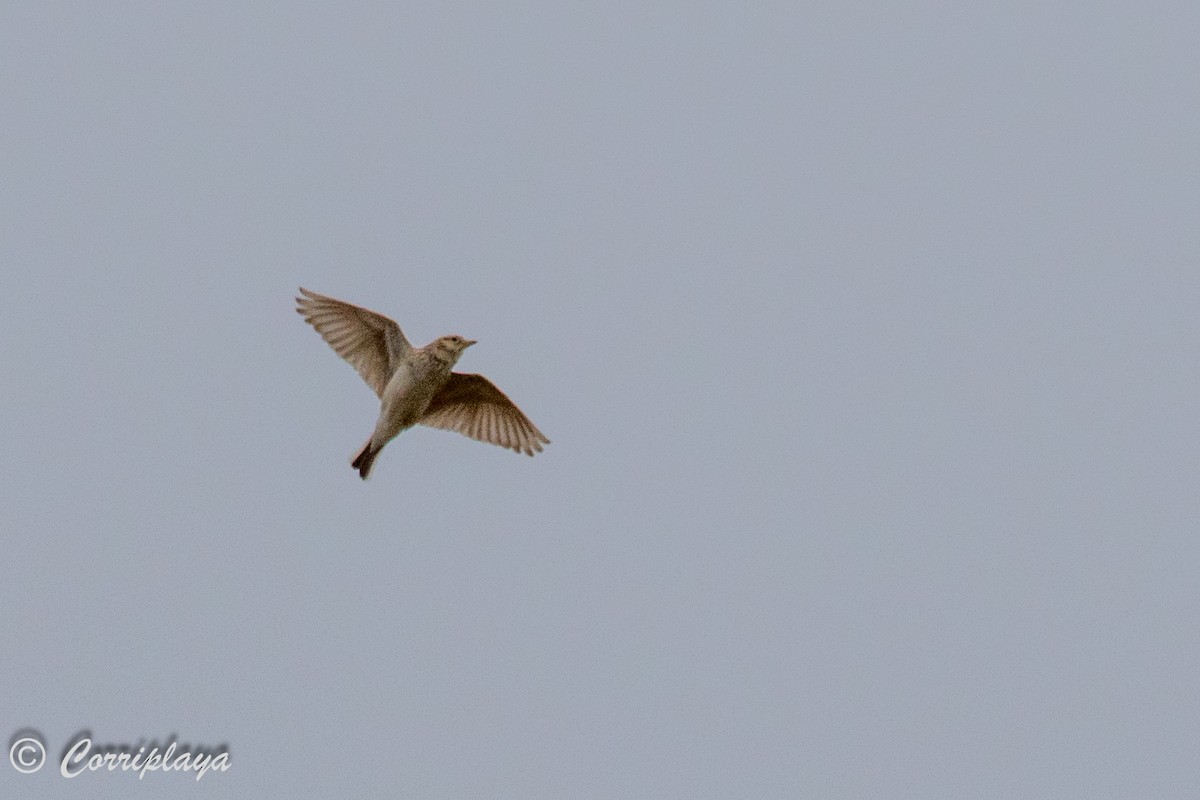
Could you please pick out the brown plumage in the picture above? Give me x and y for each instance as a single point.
(415, 385)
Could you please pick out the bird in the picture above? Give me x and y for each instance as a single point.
(415, 385)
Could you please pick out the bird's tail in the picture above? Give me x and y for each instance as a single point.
(363, 461)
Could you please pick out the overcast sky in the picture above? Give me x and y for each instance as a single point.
(866, 335)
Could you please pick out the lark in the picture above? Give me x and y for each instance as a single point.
(415, 385)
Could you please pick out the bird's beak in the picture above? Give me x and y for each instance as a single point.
(470, 342)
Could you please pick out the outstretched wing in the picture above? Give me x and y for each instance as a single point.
(474, 407)
(370, 342)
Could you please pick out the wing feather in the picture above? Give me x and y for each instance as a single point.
(372, 343)
(473, 406)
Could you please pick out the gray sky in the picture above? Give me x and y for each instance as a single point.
(866, 335)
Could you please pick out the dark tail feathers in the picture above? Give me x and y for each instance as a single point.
(363, 461)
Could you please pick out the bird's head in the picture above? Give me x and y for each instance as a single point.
(451, 347)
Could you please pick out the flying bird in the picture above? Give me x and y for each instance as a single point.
(415, 385)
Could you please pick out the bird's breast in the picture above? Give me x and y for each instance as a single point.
(400, 383)
(408, 393)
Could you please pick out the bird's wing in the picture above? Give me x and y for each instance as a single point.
(373, 344)
(474, 407)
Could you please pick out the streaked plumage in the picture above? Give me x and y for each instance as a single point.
(415, 385)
